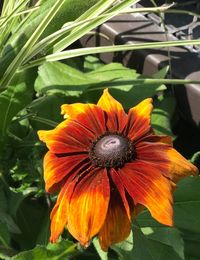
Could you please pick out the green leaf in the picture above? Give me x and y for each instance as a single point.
(125, 248)
(8, 221)
(168, 236)
(59, 251)
(15, 98)
(32, 215)
(145, 248)
(122, 83)
(92, 63)
(161, 74)
(47, 108)
(192, 244)
(4, 234)
(7, 214)
(60, 78)
(187, 204)
(162, 115)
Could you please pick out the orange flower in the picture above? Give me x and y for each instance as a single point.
(106, 164)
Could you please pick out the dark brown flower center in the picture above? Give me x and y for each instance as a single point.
(111, 150)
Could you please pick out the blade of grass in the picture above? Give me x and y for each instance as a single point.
(47, 41)
(95, 10)
(7, 25)
(151, 82)
(8, 75)
(7, 7)
(29, 10)
(21, 24)
(96, 50)
(12, 14)
(88, 16)
(78, 33)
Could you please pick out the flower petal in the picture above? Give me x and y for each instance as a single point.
(57, 168)
(88, 205)
(165, 139)
(162, 156)
(59, 214)
(179, 166)
(117, 118)
(89, 115)
(68, 138)
(117, 225)
(147, 186)
(139, 120)
(117, 182)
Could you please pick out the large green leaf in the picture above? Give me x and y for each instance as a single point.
(145, 248)
(58, 78)
(151, 244)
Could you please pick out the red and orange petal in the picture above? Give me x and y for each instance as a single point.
(179, 166)
(147, 186)
(88, 206)
(56, 169)
(68, 139)
(89, 115)
(85, 123)
(59, 214)
(116, 117)
(162, 156)
(139, 118)
(119, 186)
(117, 225)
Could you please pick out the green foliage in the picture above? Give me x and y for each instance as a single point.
(15, 98)
(163, 113)
(61, 79)
(59, 251)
